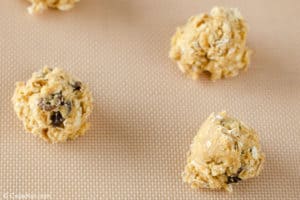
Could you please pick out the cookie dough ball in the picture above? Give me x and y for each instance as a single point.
(214, 44)
(38, 6)
(224, 151)
(53, 105)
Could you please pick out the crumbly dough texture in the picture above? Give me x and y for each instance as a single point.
(38, 6)
(224, 151)
(53, 105)
(214, 44)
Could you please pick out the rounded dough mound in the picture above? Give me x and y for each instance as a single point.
(214, 44)
(53, 105)
(38, 6)
(224, 151)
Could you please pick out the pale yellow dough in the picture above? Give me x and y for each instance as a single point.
(214, 44)
(53, 105)
(38, 6)
(224, 151)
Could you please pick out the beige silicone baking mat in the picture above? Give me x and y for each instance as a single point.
(146, 112)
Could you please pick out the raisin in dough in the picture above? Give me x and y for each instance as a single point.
(224, 151)
(53, 105)
(214, 44)
(38, 6)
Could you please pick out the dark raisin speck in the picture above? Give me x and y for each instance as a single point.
(51, 102)
(45, 105)
(240, 170)
(77, 86)
(69, 106)
(56, 119)
(233, 179)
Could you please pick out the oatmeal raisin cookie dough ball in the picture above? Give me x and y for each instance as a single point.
(224, 151)
(53, 105)
(214, 44)
(38, 6)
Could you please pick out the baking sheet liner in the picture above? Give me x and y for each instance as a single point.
(146, 112)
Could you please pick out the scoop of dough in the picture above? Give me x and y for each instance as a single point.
(38, 6)
(53, 105)
(214, 44)
(224, 151)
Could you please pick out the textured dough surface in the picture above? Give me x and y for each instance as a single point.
(53, 105)
(214, 44)
(224, 151)
(38, 6)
